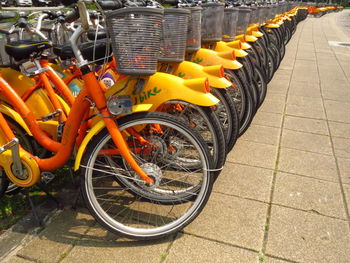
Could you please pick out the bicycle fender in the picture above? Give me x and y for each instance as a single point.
(272, 26)
(96, 128)
(15, 116)
(64, 104)
(162, 87)
(250, 38)
(208, 57)
(188, 70)
(230, 46)
(257, 34)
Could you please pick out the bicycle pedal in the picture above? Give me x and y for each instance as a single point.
(50, 116)
(47, 177)
(9, 145)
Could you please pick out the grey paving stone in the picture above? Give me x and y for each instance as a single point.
(16, 259)
(306, 237)
(245, 181)
(54, 242)
(283, 74)
(99, 245)
(278, 86)
(274, 260)
(252, 153)
(341, 147)
(309, 164)
(268, 119)
(338, 111)
(304, 101)
(301, 75)
(331, 73)
(306, 141)
(191, 249)
(272, 106)
(344, 168)
(306, 55)
(339, 129)
(309, 194)
(339, 94)
(305, 89)
(306, 111)
(262, 134)
(246, 221)
(347, 195)
(303, 66)
(276, 96)
(306, 125)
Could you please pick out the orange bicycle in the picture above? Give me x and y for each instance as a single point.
(144, 175)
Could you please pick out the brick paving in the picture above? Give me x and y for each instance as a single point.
(284, 194)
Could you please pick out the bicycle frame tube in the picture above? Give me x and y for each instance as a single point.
(28, 116)
(60, 85)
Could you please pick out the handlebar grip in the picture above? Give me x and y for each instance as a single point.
(72, 16)
(110, 4)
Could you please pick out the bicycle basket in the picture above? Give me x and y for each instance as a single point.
(212, 20)
(243, 20)
(253, 15)
(174, 35)
(270, 13)
(194, 29)
(261, 11)
(135, 38)
(229, 24)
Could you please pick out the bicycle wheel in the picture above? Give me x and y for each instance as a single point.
(276, 55)
(205, 121)
(177, 159)
(243, 100)
(228, 116)
(260, 82)
(26, 141)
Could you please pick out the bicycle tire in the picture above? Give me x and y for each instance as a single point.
(260, 82)
(248, 111)
(276, 55)
(26, 141)
(150, 227)
(208, 125)
(271, 65)
(229, 118)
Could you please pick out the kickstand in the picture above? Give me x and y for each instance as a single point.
(34, 210)
(44, 189)
(76, 188)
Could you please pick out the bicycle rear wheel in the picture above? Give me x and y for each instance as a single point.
(177, 159)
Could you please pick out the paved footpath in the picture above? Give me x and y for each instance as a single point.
(284, 194)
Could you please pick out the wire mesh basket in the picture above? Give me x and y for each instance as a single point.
(243, 20)
(194, 29)
(271, 12)
(174, 35)
(229, 24)
(254, 17)
(135, 38)
(212, 20)
(261, 11)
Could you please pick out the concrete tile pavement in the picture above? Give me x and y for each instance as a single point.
(284, 193)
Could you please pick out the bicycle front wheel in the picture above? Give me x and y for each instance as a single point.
(172, 153)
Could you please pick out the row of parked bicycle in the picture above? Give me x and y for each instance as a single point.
(320, 10)
(144, 102)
